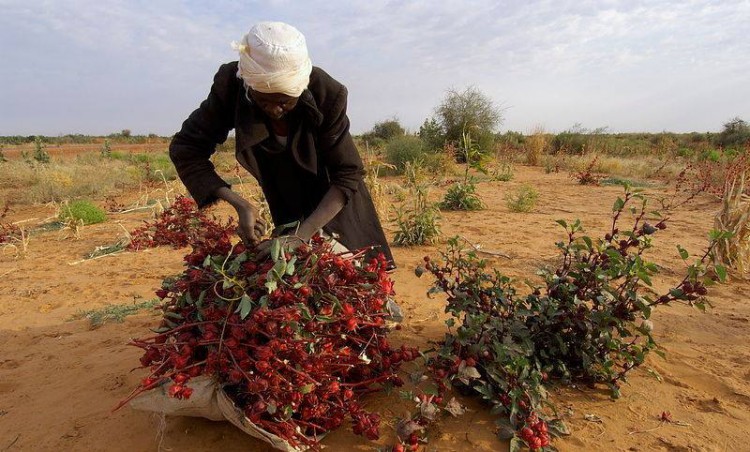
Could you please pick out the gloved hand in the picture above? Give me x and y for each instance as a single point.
(251, 227)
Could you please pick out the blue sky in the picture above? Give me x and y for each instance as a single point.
(97, 67)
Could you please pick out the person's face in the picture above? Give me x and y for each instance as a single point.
(274, 105)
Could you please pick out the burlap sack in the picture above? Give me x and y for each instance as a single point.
(209, 401)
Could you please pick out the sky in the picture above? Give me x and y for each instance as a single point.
(100, 66)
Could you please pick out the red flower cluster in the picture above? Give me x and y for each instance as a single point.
(180, 225)
(295, 339)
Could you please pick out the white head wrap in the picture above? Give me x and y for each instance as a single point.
(274, 59)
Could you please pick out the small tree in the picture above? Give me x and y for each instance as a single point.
(385, 130)
(736, 133)
(40, 151)
(106, 150)
(125, 133)
(432, 135)
(468, 110)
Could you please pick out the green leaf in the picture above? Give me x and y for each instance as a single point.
(505, 431)
(271, 285)
(246, 304)
(173, 315)
(517, 444)
(562, 223)
(655, 374)
(431, 390)
(721, 272)
(683, 252)
(558, 427)
(279, 269)
(619, 204)
(290, 266)
(275, 250)
(308, 388)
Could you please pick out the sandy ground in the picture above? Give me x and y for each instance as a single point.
(59, 379)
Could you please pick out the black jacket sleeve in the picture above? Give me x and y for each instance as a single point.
(338, 152)
(209, 125)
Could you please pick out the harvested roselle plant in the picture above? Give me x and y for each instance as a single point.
(293, 339)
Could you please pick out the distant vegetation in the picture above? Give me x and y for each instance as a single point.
(115, 138)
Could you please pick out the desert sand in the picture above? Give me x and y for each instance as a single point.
(59, 379)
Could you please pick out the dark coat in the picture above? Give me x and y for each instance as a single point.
(320, 152)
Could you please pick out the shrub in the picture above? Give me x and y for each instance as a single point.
(439, 163)
(511, 140)
(735, 134)
(418, 223)
(462, 196)
(588, 324)
(468, 110)
(82, 211)
(106, 150)
(432, 135)
(569, 142)
(40, 151)
(386, 130)
(586, 175)
(403, 149)
(535, 146)
(522, 200)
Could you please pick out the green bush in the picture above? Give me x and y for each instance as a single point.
(522, 200)
(418, 220)
(712, 155)
(462, 196)
(439, 163)
(82, 211)
(419, 226)
(40, 151)
(403, 149)
(734, 135)
(386, 130)
(570, 143)
(431, 134)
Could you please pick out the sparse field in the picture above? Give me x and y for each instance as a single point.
(59, 378)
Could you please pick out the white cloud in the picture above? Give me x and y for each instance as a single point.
(99, 66)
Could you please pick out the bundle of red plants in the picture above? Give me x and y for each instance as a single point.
(180, 225)
(294, 338)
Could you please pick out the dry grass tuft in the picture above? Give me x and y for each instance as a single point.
(734, 217)
(536, 146)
